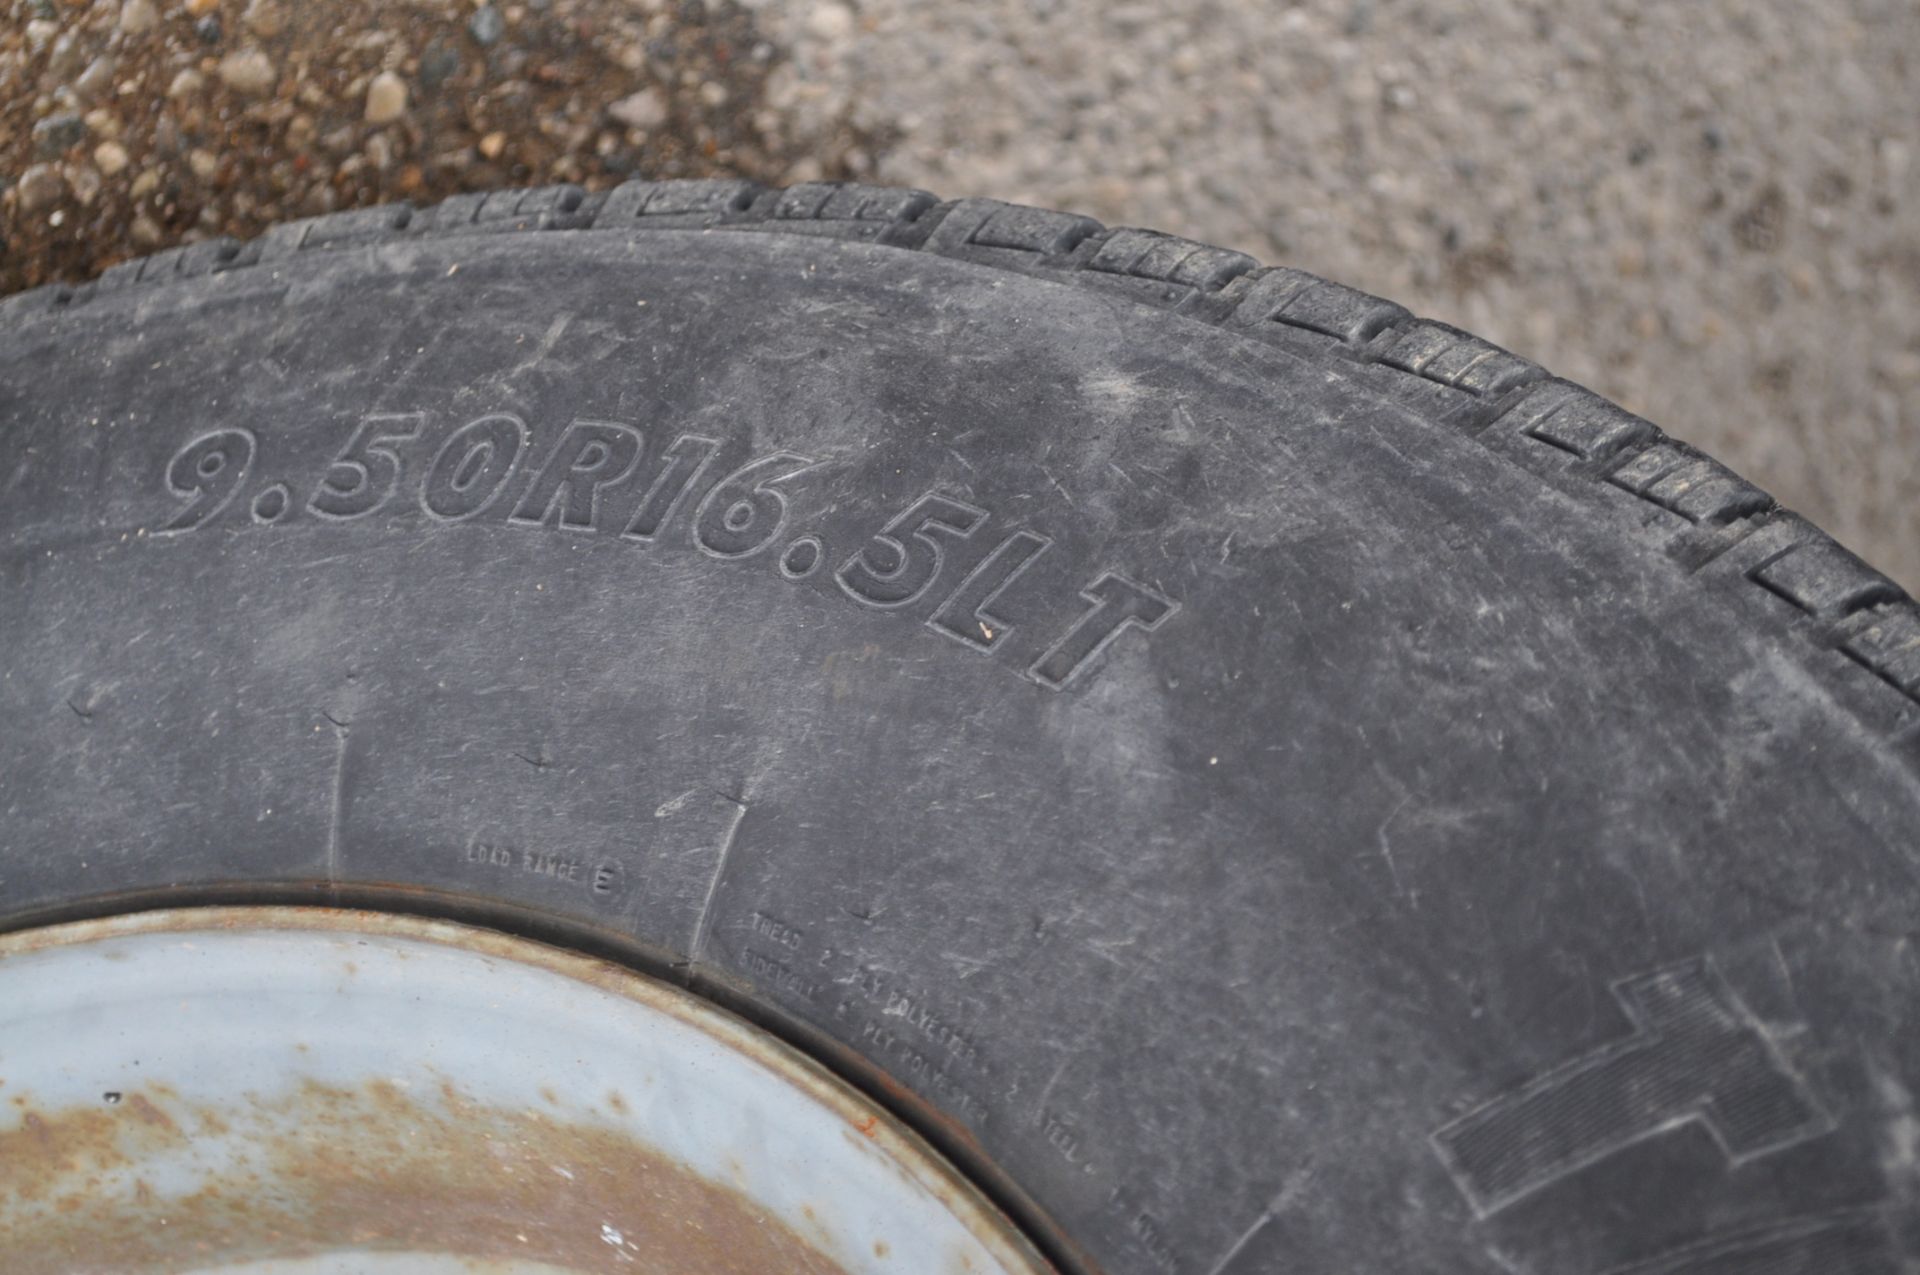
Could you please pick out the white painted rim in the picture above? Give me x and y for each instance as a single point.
(212, 1090)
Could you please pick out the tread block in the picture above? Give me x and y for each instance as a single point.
(189, 261)
(1301, 300)
(1824, 580)
(1890, 646)
(699, 202)
(1704, 490)
(1026, 229)
(1148, 254)
(1458, 359)
(209, 256)
(1579, 421)
(128, 273)
(1698, 488)
(534, 209)
(452, 213)
(850, 201)
(38, 300)
(362, 225)
(543, 208)
(1644, 470)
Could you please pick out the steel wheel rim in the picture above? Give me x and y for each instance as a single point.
(301, 1091)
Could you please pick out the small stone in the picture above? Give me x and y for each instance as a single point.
(321, 198)
(646, 109)
(138, 16)
(40, 32)
(110, 158)
(145, 184)
(57, 134)
(40, 186)
(248, 71)
(493, 145)
(830, 21)
(386, 98)
(65, 58)
(208, 29)
(379, 152)
(204, 164)
(265, 18)
(201, 8)
(84, 181)
(438, 64)
(146, 231)
(96, 81)
(486, 25)
(187, 83)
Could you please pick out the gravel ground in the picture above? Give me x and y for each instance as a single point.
(130, 125)
(1708, 211)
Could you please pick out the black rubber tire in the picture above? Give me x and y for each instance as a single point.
(1269, 783)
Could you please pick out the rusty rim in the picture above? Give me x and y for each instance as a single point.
(299, 1091)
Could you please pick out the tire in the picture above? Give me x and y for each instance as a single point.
(1266, 782)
